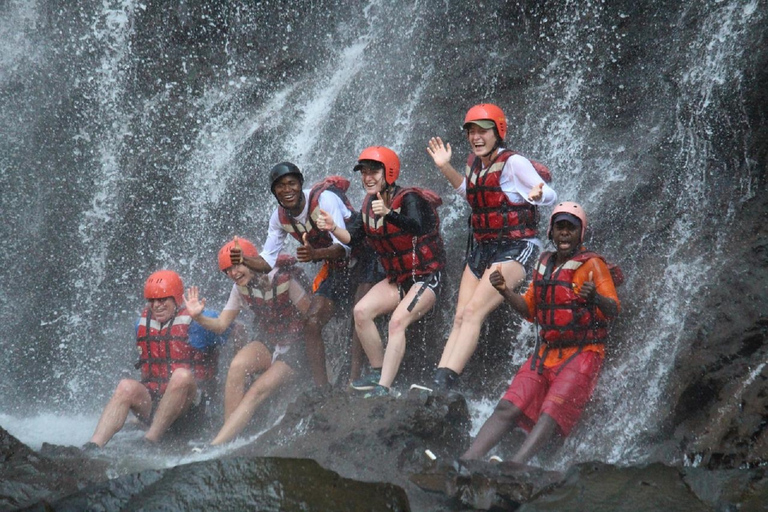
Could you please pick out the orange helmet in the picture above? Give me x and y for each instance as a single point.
(487, 112)
(246, 246)
(164, 283)
(384, 156)
(572, 209)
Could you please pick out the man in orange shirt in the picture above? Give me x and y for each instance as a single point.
(571, 298)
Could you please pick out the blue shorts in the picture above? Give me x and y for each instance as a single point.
(484, 255)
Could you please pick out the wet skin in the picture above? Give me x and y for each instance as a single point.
(289, 194)
(482, 141)
(162, 309)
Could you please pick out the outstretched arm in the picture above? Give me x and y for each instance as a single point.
(195, 306)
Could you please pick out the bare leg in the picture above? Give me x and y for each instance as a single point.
(503, 419)
(179, 396)
(356, 363)
(382, 299)
(251, 359)
(467, 287)
(484, 300)
(275, 376)
(398, 324)
(130, 395)
(320, 312)
(540, 434)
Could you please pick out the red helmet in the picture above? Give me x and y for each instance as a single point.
(487, 112)
(246, 246)
(384, 156)
(570, 208)
(164, 283)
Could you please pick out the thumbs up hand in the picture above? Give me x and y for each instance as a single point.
(536, 193)
(379, 206)
(236, 253)
(306, 252)
(325, 221)
(588, 291)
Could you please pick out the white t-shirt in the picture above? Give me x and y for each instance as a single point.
(328, 202)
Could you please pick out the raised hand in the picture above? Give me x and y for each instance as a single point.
(378, 206)
(536, 193)
(325, 221)
(193, 303)
(305, 253)
(236, 253)
(497, 280)
(588, 289)
(440, 153)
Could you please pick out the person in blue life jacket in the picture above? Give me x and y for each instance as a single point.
(178, 359)
(504, 190)
(279, 301)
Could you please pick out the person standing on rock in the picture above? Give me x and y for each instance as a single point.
(178, 359)
(279, 301)
(297, 215)
(402, 226)
(504, 190)
(571, 298)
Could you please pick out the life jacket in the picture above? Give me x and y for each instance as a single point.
(402, 254)
(494, 216)
(316, 237)
(166, 348)
(564, 318)
(275, 315)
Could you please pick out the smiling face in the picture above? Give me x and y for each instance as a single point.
(240, 274)
(372, 179)
(482, 141)
(566, 237)
(162, 309)
(288, 192)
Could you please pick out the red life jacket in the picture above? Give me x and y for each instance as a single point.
(275, 315)
(564, 318)
(402, 254)
(166, 348)
(494, 216)
(315, 237)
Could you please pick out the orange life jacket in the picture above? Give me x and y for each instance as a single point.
(494, 216)
(166, 348)
(402, 254)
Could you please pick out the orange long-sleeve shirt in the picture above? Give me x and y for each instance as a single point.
(601, 276)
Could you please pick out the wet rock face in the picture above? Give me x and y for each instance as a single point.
(26, 476)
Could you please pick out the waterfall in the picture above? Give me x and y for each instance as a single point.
(137, 137)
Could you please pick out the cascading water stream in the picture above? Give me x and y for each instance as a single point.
(200, 179)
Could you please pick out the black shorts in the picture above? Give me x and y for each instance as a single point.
(484, 255)
(338, 287)
(190, 424)
(430, 281)
(368, 268)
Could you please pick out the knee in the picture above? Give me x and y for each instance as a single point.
(182, 378)
(506, 411)
(314, 324)
(397, 325)
(361, 314)
(128, 389)
(472, 312)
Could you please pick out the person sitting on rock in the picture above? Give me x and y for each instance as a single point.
(403, 227)
(178, 359)
(572, 297)
(279, 301)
